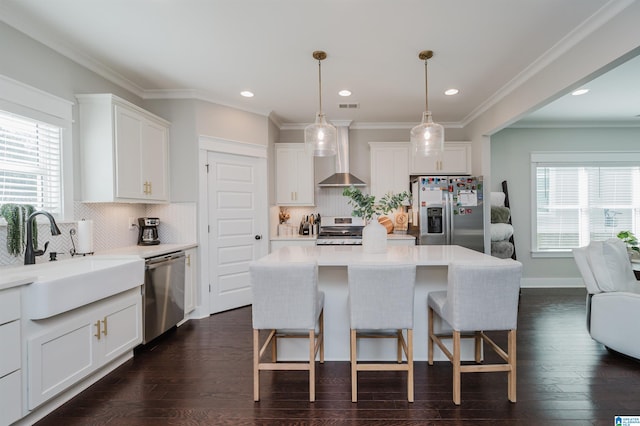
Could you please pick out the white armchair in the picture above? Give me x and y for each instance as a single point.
(613, 302)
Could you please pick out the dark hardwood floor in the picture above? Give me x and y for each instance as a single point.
(201, 374)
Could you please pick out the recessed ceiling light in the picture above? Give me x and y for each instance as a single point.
(344, 92)
(247, 94)
(451, 92)
(580, 92)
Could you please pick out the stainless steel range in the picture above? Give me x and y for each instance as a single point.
(340, 231)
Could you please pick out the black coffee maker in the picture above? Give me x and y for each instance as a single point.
(148, 231)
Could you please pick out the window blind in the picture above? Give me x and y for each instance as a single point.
(30, 162)
(579, 204)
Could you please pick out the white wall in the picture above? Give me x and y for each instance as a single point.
(34, 64)
(510, 161)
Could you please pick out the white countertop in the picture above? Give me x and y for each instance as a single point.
(428, 255)
(295, 237)
(298, 237)
(17, 275)
(149, 251)
(15, 279)
(400, 237)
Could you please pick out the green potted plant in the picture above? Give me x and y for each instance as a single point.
(374, 235)
(365, 205)
(632, 243)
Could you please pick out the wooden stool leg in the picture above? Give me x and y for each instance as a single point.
(456, 367)
(322, 337)
(256, 362)
(410, 364)
(429, 336)
(511, 377)
(478, 346)
(312, 365)
(399, 346)
(274, 349)
(354, 368)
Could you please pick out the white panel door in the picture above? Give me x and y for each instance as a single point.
(237, 209)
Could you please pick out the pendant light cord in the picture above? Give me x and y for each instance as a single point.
(320, 84)
(426, 87)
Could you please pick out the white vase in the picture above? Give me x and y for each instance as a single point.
(374, 237)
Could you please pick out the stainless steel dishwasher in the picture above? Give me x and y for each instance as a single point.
(163, 295)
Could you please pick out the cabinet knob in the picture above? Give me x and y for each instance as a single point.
(258, 237)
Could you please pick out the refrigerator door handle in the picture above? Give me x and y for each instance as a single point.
(450, 218)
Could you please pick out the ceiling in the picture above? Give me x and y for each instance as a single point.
(213, 49)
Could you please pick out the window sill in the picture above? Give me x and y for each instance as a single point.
(551, 254)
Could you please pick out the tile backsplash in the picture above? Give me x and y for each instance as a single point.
(110, 227)
(329, 202)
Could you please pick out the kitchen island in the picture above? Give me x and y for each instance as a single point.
(432, 263)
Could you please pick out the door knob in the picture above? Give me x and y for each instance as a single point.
(258, 237)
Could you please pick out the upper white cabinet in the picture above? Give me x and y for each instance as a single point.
(294, 175)
(124, 151)
(389, 168)
(455, 160)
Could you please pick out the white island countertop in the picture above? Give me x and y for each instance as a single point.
(425, 255)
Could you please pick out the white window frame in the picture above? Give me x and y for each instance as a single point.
(21, 99)
(557, 158)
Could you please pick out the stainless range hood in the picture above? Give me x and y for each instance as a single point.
(342, 177)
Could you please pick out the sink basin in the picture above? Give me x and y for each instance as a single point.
(69, 284)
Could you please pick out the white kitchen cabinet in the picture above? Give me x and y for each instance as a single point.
(190, 280)
(294, 175)
(124, 151)
(455, 160)
(389, 168)
(10, 357)
(66, 348)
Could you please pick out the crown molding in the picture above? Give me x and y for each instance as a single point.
(573, 124)
(52, 41)
(597, 20)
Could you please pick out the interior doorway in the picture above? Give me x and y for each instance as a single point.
(236, 231)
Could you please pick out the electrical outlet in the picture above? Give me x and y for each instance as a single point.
(132, 224)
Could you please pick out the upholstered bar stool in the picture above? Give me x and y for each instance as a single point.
(478, 298)
(381, 306)
(286, 301)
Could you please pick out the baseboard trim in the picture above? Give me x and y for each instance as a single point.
(552, 283)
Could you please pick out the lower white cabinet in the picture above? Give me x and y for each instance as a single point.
(11, 402)
(190, 280)
(70, 346)
(10, 357)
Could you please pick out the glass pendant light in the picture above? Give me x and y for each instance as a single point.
(320, 137)
(427, 138)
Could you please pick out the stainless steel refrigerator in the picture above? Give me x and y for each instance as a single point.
(449, 210)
